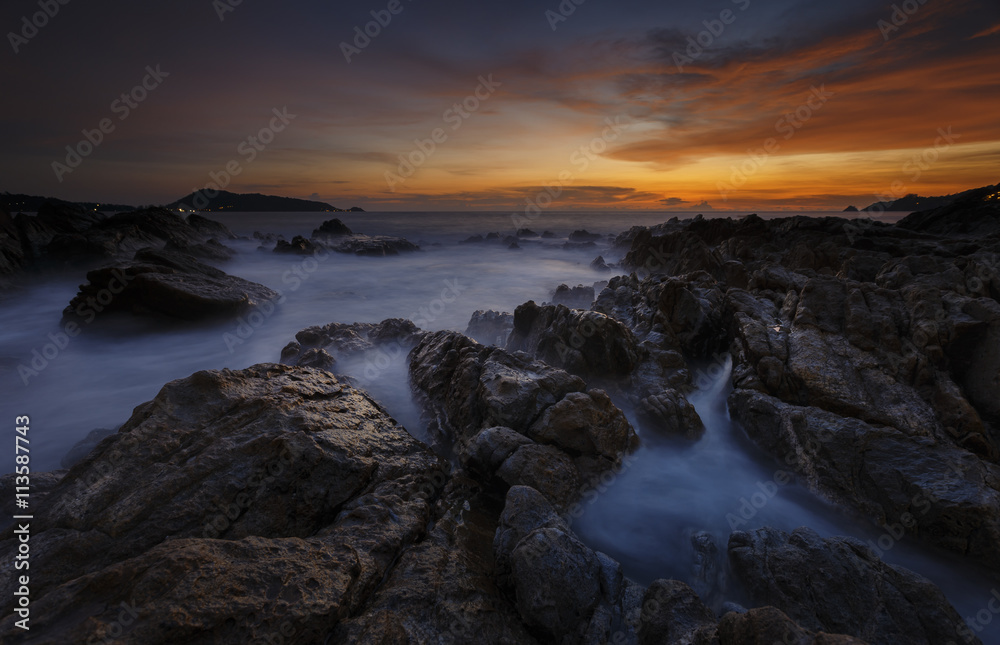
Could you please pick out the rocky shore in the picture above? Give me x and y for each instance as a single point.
(282, 503)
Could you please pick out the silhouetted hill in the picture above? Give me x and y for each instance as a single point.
(914, 202)
(249, 203)
(31, 203)
(974, 212)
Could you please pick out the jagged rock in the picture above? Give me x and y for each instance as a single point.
(526, 233)
(331, 227)
(490, 327)
(578, 297)
(669, 413)
(938, 492)
(225, 487)
(83, 447)
(166, 283)
(767, 626)
(587, 343)
(600, 265)
(299, 246)
(466, 388)
(340, 340)
(838, 585)
(673, 614)
(563, 590)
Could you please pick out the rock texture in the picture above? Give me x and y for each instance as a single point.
(167, 283)
(467, 388)
(233, 506)
(838, 585)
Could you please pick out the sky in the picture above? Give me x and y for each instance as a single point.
(427, 105)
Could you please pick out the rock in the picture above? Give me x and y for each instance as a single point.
(442, 588)
(839, 586)
(299, 246)
(673, 614)
(555, 581)
(936, 491)
(473, 239)
(669, 413)
(209, 228)
(490, 327)
(83, 447)
(331, 227)
(526, 233)
(600, 265)
(587, 343)
(268, 478)
(170, 284)
(584, 236)
(41, 484)
(466, 388)
(563, 590)
(369, 245)
(767, 625)
(393, 337)
(64, 233)
(585, 423)
(578, 297)
(549, 235)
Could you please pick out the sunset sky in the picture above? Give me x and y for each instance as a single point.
(845, 95)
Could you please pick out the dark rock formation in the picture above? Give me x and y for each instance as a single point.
(331, 227)
(467, 388)
(578, 297)
(586, 343)
(271, 478)
(490, 327)
(166, 283)
(837, 585)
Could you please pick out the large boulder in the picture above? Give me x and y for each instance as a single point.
(587, 343)
(840, 586)
(930, 488)
(166, 283)
(234, 506)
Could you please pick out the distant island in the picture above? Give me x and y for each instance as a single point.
(914, 202)
(252, 203)
(30, 203)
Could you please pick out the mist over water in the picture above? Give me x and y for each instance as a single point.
(644, 518)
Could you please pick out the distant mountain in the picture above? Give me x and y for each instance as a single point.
(17, 203)
(249, 203)
(914, 202)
